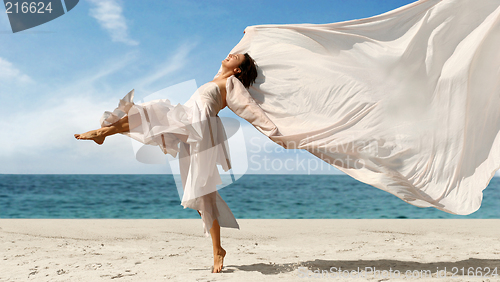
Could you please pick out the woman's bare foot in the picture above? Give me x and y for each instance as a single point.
(218, 260)
(95, 135)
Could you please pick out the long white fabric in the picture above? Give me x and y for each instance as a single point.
(407, 101)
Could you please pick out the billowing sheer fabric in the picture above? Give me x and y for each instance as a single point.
(193, 132)
(407, 101)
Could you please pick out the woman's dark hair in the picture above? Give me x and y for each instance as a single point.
(248, 72)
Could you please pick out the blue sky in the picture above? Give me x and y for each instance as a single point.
(58, 78)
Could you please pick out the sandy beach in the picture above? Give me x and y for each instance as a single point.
(262, 250)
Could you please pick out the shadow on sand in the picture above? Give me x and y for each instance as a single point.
(458, 268)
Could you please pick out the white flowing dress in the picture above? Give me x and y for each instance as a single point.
(407, 101)
(193, 132)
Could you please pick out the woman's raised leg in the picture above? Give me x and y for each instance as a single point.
(100, 134)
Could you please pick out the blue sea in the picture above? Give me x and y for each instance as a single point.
(251, 196)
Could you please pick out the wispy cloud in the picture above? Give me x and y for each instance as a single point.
(74, 107)
(98, 75)
(108, 14)
(173, 64)
(8, 72)
(47, 144)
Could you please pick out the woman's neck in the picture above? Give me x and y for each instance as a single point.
(225, 74)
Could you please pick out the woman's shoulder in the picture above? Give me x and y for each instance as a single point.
(221, 82)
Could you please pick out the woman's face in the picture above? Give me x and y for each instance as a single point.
(233, 61)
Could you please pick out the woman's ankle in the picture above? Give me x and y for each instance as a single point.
(218, 249)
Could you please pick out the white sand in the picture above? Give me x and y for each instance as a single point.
(263, 250)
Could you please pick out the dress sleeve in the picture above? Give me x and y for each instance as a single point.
(241, 103)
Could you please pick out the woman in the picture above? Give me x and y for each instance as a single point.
(406, 101)
(195, 132)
